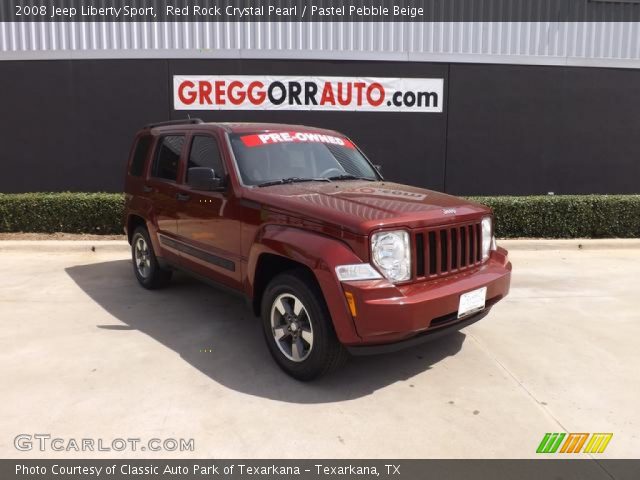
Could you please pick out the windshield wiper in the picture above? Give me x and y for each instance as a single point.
(348, 176)
(282, 181)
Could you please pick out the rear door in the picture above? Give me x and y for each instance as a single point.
(162, 189)
(208, 225)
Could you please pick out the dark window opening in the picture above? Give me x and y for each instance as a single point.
(168, 158)
(205, 153)
(140, 155)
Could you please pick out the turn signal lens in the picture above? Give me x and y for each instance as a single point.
(351, 301)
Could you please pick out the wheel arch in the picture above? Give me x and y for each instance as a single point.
(134, 221)
(270, 265)
(281, 248)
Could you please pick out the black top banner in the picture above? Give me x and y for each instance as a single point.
(319, 10)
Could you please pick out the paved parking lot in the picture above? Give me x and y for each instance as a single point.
(85, 352)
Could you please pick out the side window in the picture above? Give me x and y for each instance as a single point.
(167, 159)
(205, 153)
(140, 155)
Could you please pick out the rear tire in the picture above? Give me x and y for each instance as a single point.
(298, 328)
(145, 262)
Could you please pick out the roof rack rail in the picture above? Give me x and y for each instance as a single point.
(186, 121)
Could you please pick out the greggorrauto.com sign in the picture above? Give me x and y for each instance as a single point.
(366, 94)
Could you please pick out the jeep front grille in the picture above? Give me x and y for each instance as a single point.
(442, 251)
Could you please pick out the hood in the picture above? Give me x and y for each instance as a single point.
(362, 206)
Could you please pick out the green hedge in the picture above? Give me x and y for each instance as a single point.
(566, 216)
(97, 213)
(579, 216)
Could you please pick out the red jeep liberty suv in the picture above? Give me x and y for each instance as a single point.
(332, 257)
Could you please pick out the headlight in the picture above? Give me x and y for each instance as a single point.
(487, 237)
(391, 254)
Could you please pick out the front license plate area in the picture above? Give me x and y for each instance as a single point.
(472, 302)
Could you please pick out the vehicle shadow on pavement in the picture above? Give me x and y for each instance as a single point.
(217, 333)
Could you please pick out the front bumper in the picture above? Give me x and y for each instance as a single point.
(424, 337)
(388, 313)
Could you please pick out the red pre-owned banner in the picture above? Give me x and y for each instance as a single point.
(243, 92)
(270, 138)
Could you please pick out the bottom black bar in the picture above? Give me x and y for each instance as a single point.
(584, 469)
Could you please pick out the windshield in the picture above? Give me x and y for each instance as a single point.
(278, 157)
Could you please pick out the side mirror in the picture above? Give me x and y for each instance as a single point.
(204, 178)
(379, 168)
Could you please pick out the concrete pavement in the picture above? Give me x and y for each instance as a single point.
(85, 352)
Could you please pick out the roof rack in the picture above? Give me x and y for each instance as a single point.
(186, 121)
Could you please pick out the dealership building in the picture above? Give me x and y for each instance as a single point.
(508, 103)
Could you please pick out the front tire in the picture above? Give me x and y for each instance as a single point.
(298, 328)
(145, 263)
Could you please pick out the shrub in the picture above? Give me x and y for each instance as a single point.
(566, 216)
(97, 213)
(553, 216)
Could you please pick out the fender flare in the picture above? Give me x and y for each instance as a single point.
(320, 254)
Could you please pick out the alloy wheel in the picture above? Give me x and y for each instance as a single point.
(142, 257)
(291, 327)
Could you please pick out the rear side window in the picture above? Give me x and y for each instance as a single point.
(167, 159)
(140, 155)
(205, 153)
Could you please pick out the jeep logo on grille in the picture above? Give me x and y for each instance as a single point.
(449, 211)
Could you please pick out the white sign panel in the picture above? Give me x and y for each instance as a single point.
(361, 94)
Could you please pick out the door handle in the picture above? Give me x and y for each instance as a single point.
(147, 189)
(183, 197)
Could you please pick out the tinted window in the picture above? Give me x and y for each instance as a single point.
(168, 157)
(140, 155)
(205, 153)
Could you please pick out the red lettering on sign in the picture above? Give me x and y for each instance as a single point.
(380, 99)
(255, 93)
(220, 93)
(205, 93)
(236, 94)
(346, 100)
(359, 86)
(187, 97)
(327, 95)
